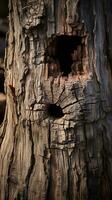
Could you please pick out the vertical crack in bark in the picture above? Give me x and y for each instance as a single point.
(78, 183)
(52, 95)
(32, 163)
(61, 93)
(49, 136)
(75, 94)
(49, 182)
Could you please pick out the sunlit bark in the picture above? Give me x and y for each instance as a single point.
(56, 139)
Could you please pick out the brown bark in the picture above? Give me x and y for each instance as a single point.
(56, 135)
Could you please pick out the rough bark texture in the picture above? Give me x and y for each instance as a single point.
(66, 153)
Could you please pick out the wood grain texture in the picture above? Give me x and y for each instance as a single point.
(67, 158)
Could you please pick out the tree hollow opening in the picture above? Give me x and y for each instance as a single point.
(64, 55)
(54, 111)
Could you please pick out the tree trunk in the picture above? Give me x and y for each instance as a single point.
(55, 137)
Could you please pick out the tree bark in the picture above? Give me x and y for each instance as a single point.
(56, 134)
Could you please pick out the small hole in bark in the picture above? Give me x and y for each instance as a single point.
(54, 111)
(63, 55)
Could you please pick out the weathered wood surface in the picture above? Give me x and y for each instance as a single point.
(66, 158)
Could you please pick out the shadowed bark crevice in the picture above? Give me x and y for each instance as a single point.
(2, 96)
(32, 163)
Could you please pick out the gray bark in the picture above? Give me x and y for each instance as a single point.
(65, 155)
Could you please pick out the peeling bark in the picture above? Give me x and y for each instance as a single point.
(56, 134)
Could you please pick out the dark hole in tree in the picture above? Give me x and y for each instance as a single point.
(65, 47)
(60, 51)
(54, 111)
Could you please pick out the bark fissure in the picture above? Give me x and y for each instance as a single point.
(32, 163)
